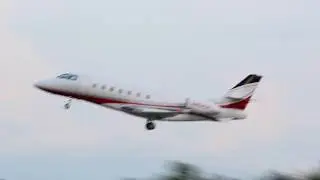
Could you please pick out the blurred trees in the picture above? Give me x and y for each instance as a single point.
(184, 171)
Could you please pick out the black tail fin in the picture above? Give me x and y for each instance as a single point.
(251, 78)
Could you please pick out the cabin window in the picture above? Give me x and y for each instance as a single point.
(112, 89)
(148, 96)
(138, 94)
(103, 87)
(94, 85)
(129, 92)
(120, 91)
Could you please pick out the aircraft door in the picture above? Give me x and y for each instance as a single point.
(83, 87)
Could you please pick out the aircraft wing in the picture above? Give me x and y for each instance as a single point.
(150, 112)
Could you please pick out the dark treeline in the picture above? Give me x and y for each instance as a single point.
(185, 171)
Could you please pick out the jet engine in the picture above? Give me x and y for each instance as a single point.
(202, 107)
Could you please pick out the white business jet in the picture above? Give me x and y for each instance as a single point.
(231, 106)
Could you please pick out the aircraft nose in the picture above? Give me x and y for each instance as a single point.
(44, 85)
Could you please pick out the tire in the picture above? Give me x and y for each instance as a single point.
(67, 106)
(150, 126)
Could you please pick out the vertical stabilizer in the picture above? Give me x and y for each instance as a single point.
(239, 96)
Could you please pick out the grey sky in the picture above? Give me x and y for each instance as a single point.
(179, 48)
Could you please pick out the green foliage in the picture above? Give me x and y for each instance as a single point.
(278, 176)
(315, 175)
(184, 171)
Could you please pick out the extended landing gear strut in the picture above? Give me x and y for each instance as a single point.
(68, 104)
(150, 125)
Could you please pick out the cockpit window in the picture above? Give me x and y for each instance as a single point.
(73, 77)
(68, 76)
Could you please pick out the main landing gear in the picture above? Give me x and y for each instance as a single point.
(150, 125)
(68, 104)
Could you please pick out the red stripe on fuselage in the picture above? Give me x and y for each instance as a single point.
(100, 100)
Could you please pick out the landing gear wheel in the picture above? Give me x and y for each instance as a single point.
(150, 126)
(67, 106)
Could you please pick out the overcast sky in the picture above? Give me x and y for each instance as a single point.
(182, 48)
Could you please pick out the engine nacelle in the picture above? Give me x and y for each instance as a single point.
(202, 107)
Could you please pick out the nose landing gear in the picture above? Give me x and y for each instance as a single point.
(68, 104)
